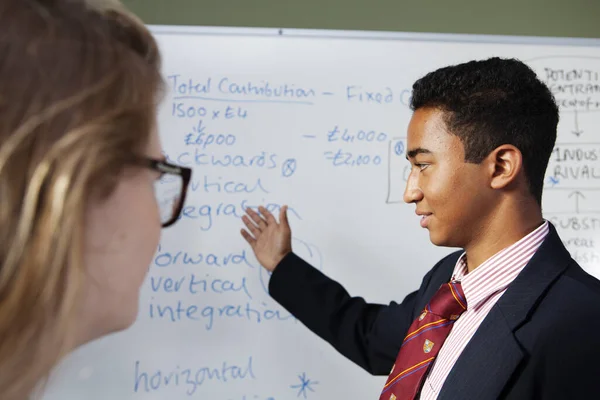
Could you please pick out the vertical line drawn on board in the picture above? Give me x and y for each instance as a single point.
(396, 170)
(577, 132)
(578, 195)
(389, 173)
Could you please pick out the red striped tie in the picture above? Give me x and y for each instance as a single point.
(423, 342)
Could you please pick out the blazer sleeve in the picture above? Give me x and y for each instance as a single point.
(368, 334)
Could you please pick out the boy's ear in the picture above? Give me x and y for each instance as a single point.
(505, 164)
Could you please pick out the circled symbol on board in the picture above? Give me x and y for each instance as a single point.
(289, 167)
(399, 148)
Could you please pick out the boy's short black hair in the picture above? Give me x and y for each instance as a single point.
(493, 102)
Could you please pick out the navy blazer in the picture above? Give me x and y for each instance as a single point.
(541, 340)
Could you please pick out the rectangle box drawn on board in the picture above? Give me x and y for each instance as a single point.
(574, 166)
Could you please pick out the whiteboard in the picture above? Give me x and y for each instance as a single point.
(315, 120)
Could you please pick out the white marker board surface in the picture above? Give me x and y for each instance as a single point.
(315, 120)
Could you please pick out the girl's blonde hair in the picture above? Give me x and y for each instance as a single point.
(79, 86)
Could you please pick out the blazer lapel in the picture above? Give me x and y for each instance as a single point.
(492, 355)
(487, 362)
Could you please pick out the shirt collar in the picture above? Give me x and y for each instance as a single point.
(498, 271)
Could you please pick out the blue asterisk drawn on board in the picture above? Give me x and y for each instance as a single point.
(304, 385)
(552, 180)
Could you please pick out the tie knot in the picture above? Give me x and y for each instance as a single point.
(449, 302)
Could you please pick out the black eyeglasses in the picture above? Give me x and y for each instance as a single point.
(170, 189)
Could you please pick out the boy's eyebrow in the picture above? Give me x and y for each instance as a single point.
(419, 150)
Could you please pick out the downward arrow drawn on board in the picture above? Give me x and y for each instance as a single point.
(578, 195)
(577, 132)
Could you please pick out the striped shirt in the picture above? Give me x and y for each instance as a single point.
(482, 287)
